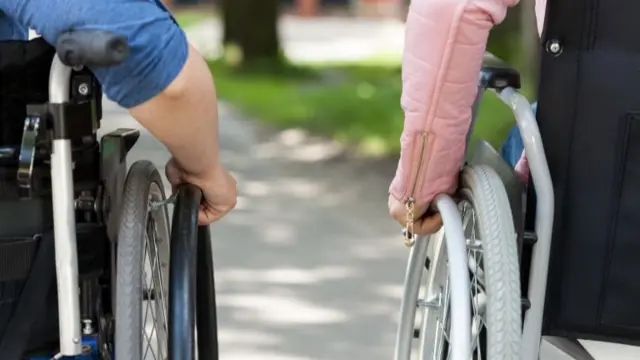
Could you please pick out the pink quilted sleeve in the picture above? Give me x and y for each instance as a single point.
(444, 44)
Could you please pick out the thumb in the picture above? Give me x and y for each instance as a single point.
(173, 173)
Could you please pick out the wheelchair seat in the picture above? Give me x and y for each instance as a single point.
(76, 221)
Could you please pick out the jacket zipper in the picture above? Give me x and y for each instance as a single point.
(423, 140)
(409, 237)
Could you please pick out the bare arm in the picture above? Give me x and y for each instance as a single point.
(184, 117)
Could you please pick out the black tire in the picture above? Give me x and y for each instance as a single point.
(143, 185)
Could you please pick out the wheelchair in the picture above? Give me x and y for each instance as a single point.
(91, 268)
(522, 270)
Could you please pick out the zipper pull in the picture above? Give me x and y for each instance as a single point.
(409, 236)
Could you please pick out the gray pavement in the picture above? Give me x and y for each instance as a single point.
(309, 266)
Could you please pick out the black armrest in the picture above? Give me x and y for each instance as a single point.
(497, 74)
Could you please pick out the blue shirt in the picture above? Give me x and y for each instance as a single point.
(159, 47)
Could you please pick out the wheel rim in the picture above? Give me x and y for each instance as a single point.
(436, 311)
(155, 279)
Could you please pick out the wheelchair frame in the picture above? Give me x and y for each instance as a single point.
(191, 263)
(504, 81)
(64, 221)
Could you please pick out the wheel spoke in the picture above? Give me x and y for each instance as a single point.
(154, 283)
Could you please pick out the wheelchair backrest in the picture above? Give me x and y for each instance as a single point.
(589, 118)
(24, 80)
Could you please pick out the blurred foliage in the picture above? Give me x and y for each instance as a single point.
(357, 104)
(187, 18)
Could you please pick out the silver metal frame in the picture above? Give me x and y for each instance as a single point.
(459, 281)
(64, 222)
(539, 170)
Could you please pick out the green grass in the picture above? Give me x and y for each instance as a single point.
(358, 104)
(191, 17)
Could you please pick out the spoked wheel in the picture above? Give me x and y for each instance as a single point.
(142, 268)
(496, 324)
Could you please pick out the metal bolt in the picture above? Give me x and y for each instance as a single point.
(88, 327)
(554, 47)
(83, 89)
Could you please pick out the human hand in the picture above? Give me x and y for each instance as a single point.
(424, 222)
(219, 190)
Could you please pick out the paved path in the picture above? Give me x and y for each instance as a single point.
(308, 266)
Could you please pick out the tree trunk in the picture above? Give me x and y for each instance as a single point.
(229, 15)
(252, 25)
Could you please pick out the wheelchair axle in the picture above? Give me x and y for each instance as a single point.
(156, 205)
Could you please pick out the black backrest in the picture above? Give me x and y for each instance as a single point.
(589, 117)
(24, 79)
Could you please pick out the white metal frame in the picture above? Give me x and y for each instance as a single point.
(64, 222)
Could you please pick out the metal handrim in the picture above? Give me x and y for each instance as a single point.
(436, 319)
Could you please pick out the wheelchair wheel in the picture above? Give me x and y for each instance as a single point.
(496, 324)
(142, 273)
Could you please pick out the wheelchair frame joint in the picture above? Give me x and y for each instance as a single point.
(435, 302)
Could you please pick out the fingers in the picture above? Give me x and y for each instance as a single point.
(173, 174)
(203, 219)
(425, 221)
(427, 224)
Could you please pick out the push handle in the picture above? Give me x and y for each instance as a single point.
(497, 74)
(95, 48)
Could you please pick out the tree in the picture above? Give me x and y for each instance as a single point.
(252, 26)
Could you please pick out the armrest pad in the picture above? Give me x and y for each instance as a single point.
(497, 74)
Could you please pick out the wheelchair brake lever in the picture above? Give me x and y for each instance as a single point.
(27, 153)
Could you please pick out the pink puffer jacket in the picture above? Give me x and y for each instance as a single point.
(444, 44)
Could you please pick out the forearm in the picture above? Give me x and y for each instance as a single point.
(444, 45)
(184, 117)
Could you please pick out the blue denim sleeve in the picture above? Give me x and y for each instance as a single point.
(159, 47)
(12, 30)
(513, 146)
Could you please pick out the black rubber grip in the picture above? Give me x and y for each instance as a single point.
(93, 48)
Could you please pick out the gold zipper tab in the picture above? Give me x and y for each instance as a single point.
(409, 235)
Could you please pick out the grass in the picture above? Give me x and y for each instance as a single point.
(189, 17)
(357, 104)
